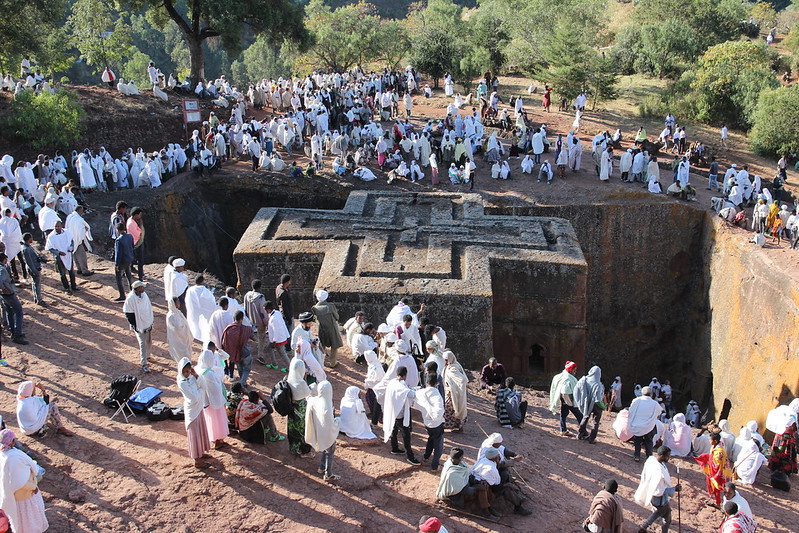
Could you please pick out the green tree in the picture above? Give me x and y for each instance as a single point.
(473, 63)
(228, 20)
(46, 121)
(392, 42)
(19, 19)
(729, 79)
(101, 34)
(489, 33)
(776, 122)
(342, 37)
(433, 52)
(568, 62)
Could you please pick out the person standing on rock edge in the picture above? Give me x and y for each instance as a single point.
(327, 316)
(283, 301)
(139, 312)
(135, 226)
(561, 396)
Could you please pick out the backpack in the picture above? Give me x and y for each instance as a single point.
(121, 389)
(158, 411)
(281, 397)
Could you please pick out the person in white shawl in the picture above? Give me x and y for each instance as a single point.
(606, 166)
(561, 393)
(179, 338)
(322, 428)
(527, 165)
(397, 414)
(374, 376)
(364, 174)
(354, 422)
(11, 236)
(588, 394)
(575, 154)
(219, 320)
(727, 437)
(193, 402)
(753, 430)
(20, 498)
(295, 422)
(200, 305)
(34, 411)
(485, 469)
(747, 457)
(653, 176)
(678, 436)
(304, 352)
(81, 238)
(655, 488)
(214, 412)
(455, 393)
(404, 358)
(430, 404)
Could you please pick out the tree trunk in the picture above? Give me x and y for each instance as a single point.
(195, 44)
(435, 82)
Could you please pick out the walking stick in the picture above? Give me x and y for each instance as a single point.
(679, 519)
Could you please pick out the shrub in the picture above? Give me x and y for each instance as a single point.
(776, 122)
(46, 121)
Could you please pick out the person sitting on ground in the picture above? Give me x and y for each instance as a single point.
(511, 410)
(486, 469)
(234, 397)
(37, 412)
(492, 374)
(254, 419)
(20, 498)
(735, 521)
(457, 486)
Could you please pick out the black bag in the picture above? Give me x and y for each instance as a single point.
(281, 397)
(780, 480)
(158, 411)
(177, 413)
(121, 389)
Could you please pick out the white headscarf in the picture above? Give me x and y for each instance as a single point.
(375, 372)
(32, 410)
(296, 380)
(311, 362)
(179, 338)
(210, 381)
(353, 416)
(321, 427)
(321, 295)
(488, 443)
(16, 471)
(193, 397)
(486, 469)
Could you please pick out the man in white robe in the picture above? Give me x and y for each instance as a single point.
(219, 320)
(59, 243)
(200, 305)
(397, 414)
(81, 237)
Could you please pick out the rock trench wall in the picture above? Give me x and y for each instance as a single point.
(668, 293)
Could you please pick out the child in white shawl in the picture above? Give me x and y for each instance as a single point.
(353, 416)
(322, 428)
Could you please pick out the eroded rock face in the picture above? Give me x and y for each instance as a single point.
(497, 284)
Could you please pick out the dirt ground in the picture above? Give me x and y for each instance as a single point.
(137, 477)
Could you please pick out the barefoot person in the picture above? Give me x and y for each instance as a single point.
(655, 489)
(36, 411)
(193, 401)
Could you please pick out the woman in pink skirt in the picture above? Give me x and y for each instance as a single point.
(215, 397)
(20, 497)
(193, 400)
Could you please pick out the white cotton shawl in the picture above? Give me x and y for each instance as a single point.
(141, 308)
(486, 470)
(321, 427)
(678, 436)
(353, 416)
(200, 305)
(374, 372)
(296, 380)
(456, 384)
(396, 404)
(655, 479)
(193, 397)
(178, 334)
(32, 410)
(210, 381)
(16, 469)
(453, 479)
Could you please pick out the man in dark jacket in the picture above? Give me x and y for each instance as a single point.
(123, 259)
(34, 262)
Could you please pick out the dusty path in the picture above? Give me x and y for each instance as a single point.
(114, 476)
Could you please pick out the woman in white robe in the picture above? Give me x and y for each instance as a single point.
(193, 402)
(34, 412)
(678, 436)
(748, 458)
(374, 375)
(449, 85)
(606, 168)
(179, 338)
(354, 422)
(86, 172)
(455, 387)
(527, 165)
(20, 498)
(322, 428)
(215, 397)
